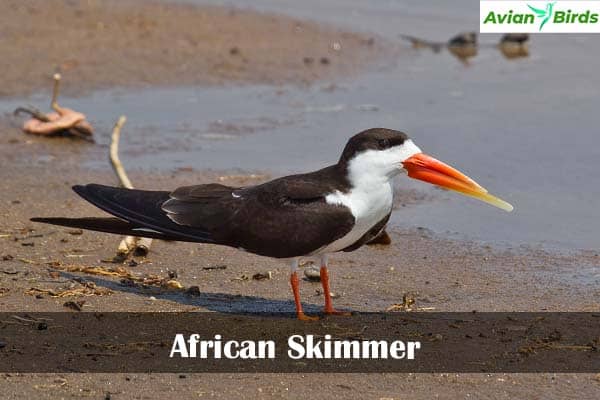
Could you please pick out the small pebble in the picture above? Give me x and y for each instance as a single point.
(312, 273)
(173, 284)
(261, 276)
(74, 305)
(332, 294)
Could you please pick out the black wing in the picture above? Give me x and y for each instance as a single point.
(286, 217)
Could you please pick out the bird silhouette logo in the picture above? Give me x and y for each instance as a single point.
(545, 15)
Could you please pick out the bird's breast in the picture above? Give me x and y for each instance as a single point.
(368, 206)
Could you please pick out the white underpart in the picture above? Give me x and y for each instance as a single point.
(371, 198)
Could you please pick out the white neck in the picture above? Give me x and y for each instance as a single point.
(377, 167)
(370, 198)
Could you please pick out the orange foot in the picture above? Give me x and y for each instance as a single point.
(333, 311)
(304, 317)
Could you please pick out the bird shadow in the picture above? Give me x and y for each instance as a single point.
(219, 302)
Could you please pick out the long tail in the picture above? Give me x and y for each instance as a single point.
(139, 213)
(110, 225)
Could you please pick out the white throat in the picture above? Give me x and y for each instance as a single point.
(371, 196)
(373, 167)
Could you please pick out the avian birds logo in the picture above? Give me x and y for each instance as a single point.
(545, 15)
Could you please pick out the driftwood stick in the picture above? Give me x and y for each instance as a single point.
(84, 130)
(141, 246)
(81, 129)
(55, 90)
(33, 112)
(114, 154)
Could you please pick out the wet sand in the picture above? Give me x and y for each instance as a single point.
(100, 44)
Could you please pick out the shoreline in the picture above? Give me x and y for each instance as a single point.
(446, 274)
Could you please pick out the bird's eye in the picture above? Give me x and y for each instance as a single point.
(383, 143)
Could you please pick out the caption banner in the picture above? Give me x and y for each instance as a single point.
(213, 342)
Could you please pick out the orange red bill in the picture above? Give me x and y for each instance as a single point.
(428, 169)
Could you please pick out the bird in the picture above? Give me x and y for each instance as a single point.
(514, 45)
(463, 46)
(312, 215)
(515, 38)
(463, 39)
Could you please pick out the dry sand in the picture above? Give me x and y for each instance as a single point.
(100, 44)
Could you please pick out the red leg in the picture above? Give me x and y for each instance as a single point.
(327, 292)
(295, 282)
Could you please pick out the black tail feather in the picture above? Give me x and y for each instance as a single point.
(110, 225)
(139, 213)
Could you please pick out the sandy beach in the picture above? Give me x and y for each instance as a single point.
(100, 45)
(103, 44)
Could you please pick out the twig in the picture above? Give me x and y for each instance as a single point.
(54, 103)
(130, 243)
(33, 112)
(114, 154)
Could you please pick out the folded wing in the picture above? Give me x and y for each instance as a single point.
(286, 217)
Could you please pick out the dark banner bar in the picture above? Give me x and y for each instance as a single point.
(212, 342)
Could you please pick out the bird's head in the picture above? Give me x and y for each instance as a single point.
(378, 155)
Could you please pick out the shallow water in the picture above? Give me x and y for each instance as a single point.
(526, 129)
